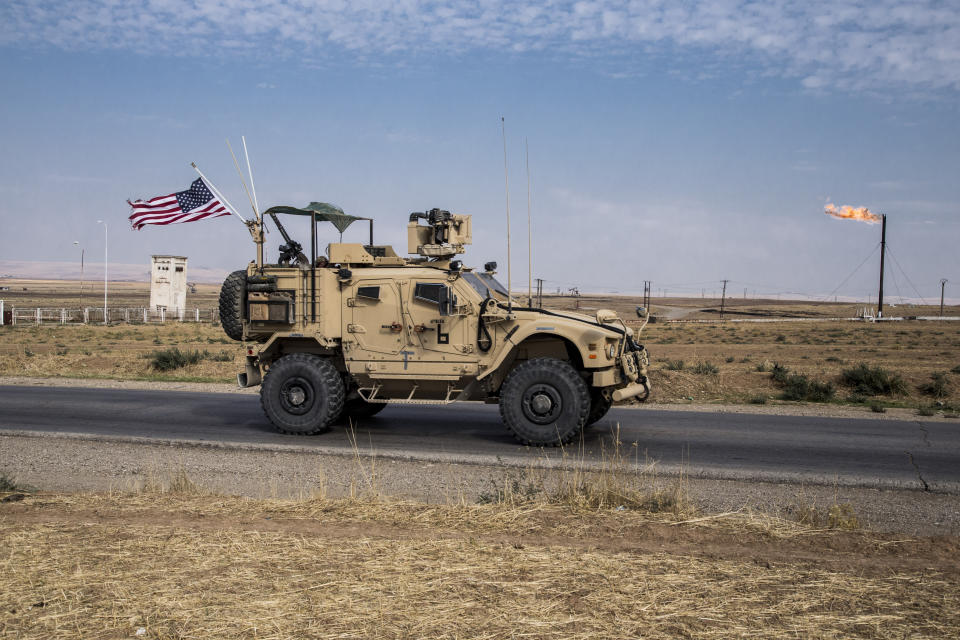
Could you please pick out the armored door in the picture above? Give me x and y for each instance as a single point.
(374, 321)
(439, 327)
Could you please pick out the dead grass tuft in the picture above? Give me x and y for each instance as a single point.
(619, 482)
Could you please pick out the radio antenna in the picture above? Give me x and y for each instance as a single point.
(256, 205)
(256, 215)
(526, 146)
(506, 184)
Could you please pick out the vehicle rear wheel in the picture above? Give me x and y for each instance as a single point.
(232, 295)
(544, 402)
(302, 394)
(599, 405)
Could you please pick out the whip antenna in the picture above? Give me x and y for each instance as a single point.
(506, 184)
(526, 146)
(242, 181)
(256, 204)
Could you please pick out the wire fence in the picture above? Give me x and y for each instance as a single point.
(97, 315)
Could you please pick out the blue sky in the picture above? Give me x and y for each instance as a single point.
(682, 143)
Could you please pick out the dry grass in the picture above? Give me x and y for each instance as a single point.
(185, 564)
(119, 351)
(620, 481)
(914, 350)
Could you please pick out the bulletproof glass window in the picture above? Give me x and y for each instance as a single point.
(428, 291)
(485, 284)
(436, 294)
(371, 293)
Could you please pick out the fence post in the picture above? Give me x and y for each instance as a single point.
(126, 315)
(86, 315)
(163, 314)
(63, 316)
(1, 313)
(197, 310)
(13, 315)
(145, 315)
(39, 317)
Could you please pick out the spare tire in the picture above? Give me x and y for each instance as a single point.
(232, 295)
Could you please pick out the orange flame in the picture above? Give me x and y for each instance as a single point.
(852, 213)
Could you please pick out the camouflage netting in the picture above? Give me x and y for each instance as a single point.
(320, 211)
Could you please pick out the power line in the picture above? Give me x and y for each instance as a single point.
(897, 262)
(852, 273)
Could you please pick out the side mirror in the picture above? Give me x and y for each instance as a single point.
(641, 311)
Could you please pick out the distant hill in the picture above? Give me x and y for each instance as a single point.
(94, 270)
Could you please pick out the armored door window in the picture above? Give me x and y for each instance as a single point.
(370, 293)
(435, 294)
(428, 292)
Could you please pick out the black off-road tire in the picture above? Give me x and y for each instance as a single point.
(599, 405)
(302, 394)
(232, 297)
(360, 408)
(544, 402)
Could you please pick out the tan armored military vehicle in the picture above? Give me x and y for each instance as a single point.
(343, 334)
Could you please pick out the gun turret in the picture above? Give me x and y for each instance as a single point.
(444, 235)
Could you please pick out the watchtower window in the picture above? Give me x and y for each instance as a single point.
(428, 292)
(179, 268)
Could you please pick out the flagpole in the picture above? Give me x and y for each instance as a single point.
(217, 193)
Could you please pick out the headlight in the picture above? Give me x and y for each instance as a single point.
(612, 351)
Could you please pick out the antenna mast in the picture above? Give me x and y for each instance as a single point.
(256, 215)
(506, 183)
(256, 205)
(526, 146)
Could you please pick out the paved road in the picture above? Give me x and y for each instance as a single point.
(725, 445)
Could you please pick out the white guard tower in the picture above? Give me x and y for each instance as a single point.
(168, 284)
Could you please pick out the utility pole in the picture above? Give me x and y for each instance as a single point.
(943, 284)
(647, 288)
(723, 298)
(883, 251)
(744, 293)
(540, 293)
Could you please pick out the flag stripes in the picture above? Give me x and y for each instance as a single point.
(196, 203)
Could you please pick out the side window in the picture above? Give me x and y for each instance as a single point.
(428, 292)
(370, 293)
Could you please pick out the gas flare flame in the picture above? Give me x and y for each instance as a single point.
(852, 213)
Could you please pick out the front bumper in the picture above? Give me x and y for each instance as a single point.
(638, 390)
(633, 366)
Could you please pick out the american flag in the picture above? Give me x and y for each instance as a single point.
(196, 203)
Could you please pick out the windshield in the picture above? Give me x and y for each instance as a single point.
(485, 284)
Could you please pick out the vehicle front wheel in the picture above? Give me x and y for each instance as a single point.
(599, 405)
(302, 394)
(544, 402)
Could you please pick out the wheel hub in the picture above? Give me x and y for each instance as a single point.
(297, 395)
(542, 403)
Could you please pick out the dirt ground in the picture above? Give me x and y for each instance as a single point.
(183, 564)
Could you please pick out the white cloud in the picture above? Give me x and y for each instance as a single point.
(876, 46)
